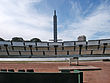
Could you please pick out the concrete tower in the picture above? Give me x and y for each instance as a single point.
(55, 26)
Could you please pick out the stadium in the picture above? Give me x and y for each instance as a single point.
(54, 71)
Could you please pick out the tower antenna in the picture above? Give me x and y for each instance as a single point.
(55, 26)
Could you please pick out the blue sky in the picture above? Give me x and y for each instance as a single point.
(33, 18)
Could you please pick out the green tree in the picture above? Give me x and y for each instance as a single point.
(35, 40)
(1, 39)
(17, 39)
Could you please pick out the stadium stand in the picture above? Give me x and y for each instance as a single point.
(34, 49)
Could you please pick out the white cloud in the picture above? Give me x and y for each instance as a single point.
(98, 21)
(18, 18)
(21, 18)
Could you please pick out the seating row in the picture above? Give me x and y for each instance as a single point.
(20, 70)
(83, 52)
(65, 43)
(51, 48)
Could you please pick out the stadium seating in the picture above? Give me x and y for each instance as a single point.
(14, 53)
(92, 47)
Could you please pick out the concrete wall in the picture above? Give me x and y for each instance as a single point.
(94, 42)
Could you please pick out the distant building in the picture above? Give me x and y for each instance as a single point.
(82, 38)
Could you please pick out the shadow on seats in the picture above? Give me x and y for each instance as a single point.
(21, 70)
(3, 70)
(30, 70)
(10, 70)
